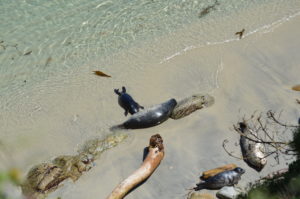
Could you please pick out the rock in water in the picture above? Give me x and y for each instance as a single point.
(191, 104)
(253, 153)
(45, 178)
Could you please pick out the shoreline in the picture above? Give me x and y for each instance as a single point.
(254, 73)
(253, 79)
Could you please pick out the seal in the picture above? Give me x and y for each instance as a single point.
(190, 104)
(253, 153)
(126, 102)
(150, 117)
(226, 178)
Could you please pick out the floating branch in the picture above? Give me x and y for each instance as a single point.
(99, 73)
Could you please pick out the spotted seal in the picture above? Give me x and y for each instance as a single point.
(253, 153)
(226, 178)
(127, 102)
(149, 117)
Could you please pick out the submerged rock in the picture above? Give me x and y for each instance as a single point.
(191, 104)
(44, 178)
(95, 147)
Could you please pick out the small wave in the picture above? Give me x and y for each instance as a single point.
(264, 29)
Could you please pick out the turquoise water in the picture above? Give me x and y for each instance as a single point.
(64, 35)
(50, 100)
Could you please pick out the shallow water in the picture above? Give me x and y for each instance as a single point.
(63, 36)
(50, 100)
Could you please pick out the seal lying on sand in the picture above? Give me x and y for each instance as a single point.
(226, 178)
(127, 103)
(253, 153)
(191, 104)
(149, 117)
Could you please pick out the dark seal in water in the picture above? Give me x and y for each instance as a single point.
(226, 178)
(150, 117)
(127, 103)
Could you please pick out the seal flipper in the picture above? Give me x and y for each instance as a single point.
(199, 186)
(123, 89)
(126, 112)
(117, 92)
(140, 106)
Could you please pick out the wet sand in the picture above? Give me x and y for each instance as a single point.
(255, 74)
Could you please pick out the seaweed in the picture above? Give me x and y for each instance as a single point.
(48, 61)
(45, 178)
(28, 53)
(100, 73)
(208, 9)
(240, 33)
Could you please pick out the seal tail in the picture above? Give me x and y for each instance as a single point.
(117, 127)
(199, 186)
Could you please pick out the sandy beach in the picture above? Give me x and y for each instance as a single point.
(255, 73)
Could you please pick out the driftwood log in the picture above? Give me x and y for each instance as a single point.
(212, 172)
(151, 162)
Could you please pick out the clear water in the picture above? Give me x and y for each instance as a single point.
(64, 35)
